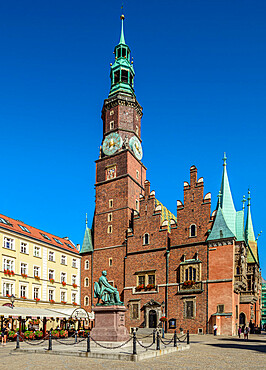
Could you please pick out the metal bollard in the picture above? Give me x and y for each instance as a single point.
(188, 337)
(76, 337)
(175, 339)
(158, 341)
(153, 336)
(134, 343)
(88, 342)
(17, 345)
(50, 341)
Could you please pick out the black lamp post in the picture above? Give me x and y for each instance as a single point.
(12, 298)
(163, 305)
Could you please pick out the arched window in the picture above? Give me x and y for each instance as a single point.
(86, 282)
(193, 230)
(86, 301)
(238, 270)
(146, 239)
(87, 265)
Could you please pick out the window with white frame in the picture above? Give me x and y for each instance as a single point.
(87, 265)
(63, 296)
(86, 282)
(74, 279)
(74, 297)
(74, 263)
(146, 239)
(9, 243)
(51, 294)
(86, 301)
(51, 274)
(63, 277)
(36, 292)
(51, 256)
(193, 230)
(37, 251)
(23, 247)
(63, 259)
(23, 268)
(36, 271)
(8, 264)
(8, 289)
(23, 291)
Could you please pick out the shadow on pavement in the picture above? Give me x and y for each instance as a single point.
(239, 345)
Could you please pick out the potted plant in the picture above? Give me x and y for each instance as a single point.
(150, 287)
(63, 333)
(51, 300)
(24, 275)
(37, 277)
(63, 302)
(37, 299)
(139, 287)
(75, 304)
(29, 334)
(163, 319)
(55, 333)
(12, 334)
(74, 285)
(51, 281)
(188, 283)
(38, 334)
(23, 297)
(63, 283)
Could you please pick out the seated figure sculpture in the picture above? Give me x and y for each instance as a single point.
(106, 292)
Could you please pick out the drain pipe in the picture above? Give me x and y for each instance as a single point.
(167, 281)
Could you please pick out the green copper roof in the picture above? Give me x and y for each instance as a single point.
(249, 231)
(122, 37)
(122, 71)
(240, 234)
(220, 230)
(226, 201)
(166, 214)
(87, 242)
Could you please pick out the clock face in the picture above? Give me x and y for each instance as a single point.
(136, 147)
(112, 143)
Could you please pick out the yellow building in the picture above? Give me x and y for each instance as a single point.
(41, 270)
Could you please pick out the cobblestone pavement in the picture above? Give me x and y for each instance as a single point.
(206, 352)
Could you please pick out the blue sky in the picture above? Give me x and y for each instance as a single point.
(200, 77)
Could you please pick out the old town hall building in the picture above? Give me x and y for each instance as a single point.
(195, 268)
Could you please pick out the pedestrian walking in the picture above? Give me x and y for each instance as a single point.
(239, 332)
(215, 327)
(4, 335)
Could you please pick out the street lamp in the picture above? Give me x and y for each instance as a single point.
(163, 305)
(12, 298)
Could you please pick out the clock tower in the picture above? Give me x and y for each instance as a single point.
(120, 174)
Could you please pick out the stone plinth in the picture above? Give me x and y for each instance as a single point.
(110, 324)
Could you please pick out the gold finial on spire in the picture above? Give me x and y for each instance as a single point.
(122, 17)
(86, 219)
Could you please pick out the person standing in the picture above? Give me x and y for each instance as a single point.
(4, 335)
(239, 332)
(215, 327)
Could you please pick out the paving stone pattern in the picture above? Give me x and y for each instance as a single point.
(206, 352)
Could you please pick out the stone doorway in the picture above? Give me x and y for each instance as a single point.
(242, 319)
(152, 319)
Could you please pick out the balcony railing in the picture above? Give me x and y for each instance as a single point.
(190, 287)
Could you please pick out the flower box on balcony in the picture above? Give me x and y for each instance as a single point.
(75, 304)
(139, 287)
(24, 275)
(23, 297)
(150, 287)
(63, 302)
(74, 285)
(163, 319)
(9, 272)
(188, 283)
(37, 277)
(37, 299)
(51, 300)
(51, 281)
(63, 283)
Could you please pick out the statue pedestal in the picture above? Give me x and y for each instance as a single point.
(110, 324)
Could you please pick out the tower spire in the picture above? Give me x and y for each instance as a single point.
(249, 231)
(226, 200)
(122, 37)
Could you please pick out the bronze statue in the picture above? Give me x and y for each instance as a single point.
(106, 292)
